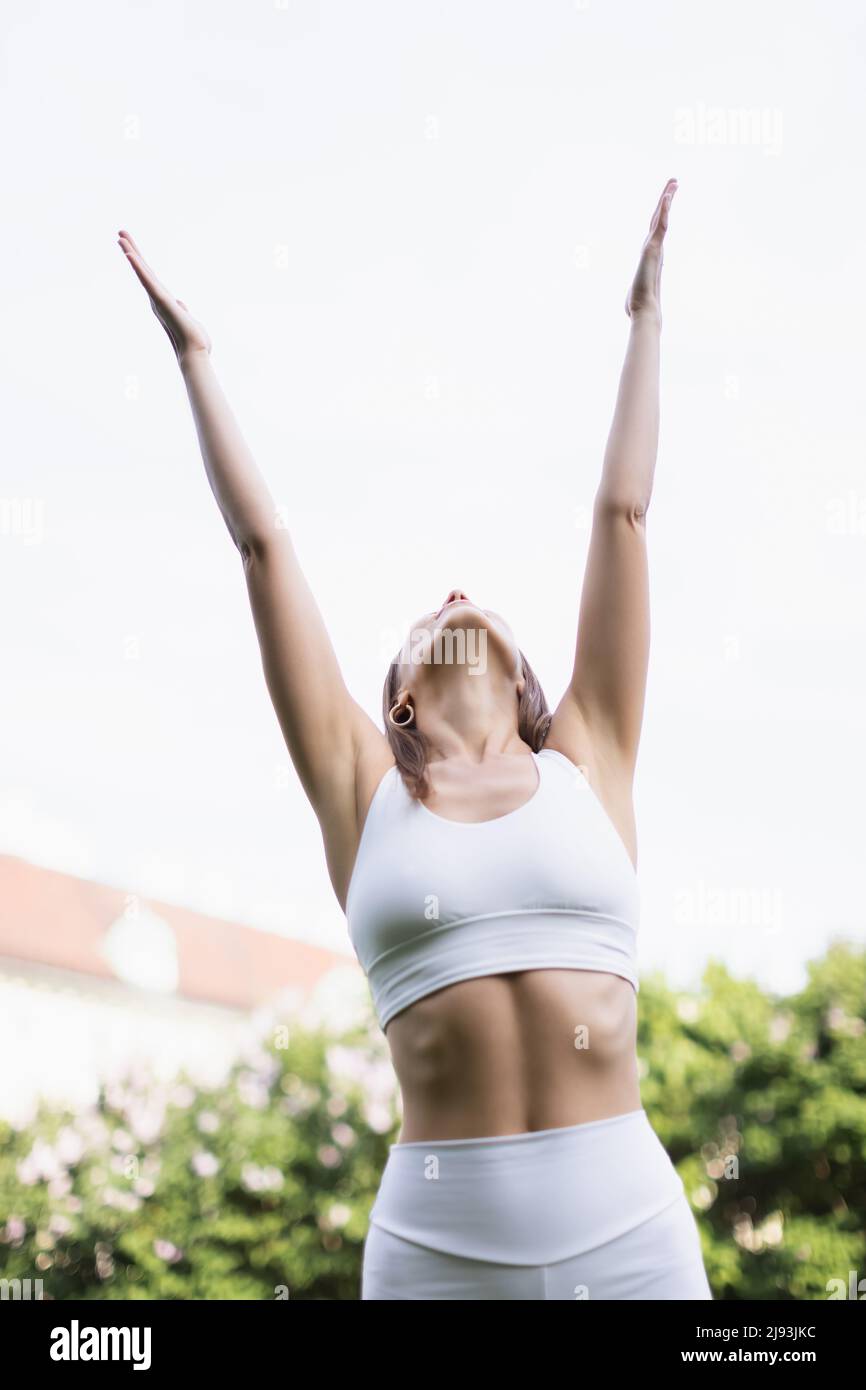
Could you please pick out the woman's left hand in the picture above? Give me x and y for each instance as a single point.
(188, 337)
(644, 296)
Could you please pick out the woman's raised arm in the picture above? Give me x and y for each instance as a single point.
(605, 698)
(326, 731)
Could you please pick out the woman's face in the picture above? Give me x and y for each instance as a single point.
(459, 633)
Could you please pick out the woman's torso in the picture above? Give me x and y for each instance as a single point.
(511, 1053)
(528, 1049)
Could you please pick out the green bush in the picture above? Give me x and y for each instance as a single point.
(258, 1189)
(761, 1103)
(261, 1188)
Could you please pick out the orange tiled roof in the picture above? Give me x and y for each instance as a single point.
(52, 918)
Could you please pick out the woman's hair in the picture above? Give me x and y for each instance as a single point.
(410, 747)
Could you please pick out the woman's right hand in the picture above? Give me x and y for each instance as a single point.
(187, 335)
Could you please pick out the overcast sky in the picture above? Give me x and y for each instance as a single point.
(409, 229)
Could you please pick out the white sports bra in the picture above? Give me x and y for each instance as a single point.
(547, 886)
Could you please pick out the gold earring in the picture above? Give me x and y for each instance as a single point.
(406, 710)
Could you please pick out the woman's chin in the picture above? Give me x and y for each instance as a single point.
(464, 635)
(462, 615)
(469, 636)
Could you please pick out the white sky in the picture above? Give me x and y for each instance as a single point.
(409, 229)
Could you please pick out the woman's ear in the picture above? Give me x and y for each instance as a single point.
(521, 686)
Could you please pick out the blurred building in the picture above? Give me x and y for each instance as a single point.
(95, 982)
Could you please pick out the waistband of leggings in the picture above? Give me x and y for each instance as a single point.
(531, 1198)
(562, 1132)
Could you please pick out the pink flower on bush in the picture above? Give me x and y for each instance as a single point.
(15, 1229)
(256, 1179)
(164, 1250)
(40, 1165)
(336, 1217)
(253, 1090)
(70, 1146)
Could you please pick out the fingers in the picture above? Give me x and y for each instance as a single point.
(665, 203)
(659, 220)
(141, 271)
(148, 277)
(127, 236)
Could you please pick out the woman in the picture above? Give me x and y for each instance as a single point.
(483, 851)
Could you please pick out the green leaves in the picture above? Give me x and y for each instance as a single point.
(262, 1187)
(762, 1104)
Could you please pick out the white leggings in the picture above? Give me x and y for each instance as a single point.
(590, 1211)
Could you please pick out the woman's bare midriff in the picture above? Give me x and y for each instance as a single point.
(507, 1054)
